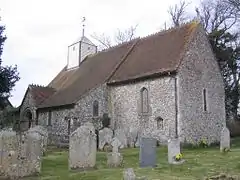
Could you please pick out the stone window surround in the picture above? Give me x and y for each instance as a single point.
(142, 101)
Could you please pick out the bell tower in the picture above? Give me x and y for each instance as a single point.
(79, 50)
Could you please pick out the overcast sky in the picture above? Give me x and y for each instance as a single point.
(39, 31)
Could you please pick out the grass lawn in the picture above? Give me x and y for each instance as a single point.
(199, 164)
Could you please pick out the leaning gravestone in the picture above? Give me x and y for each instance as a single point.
(105, 137)
(82, 148)
(173, 151)
(225, 140)
(147, 154)
(115, 159)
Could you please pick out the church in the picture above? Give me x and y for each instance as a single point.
(167, 83)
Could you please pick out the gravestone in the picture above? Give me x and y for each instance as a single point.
(115, 159)
(120, 134)
(147, 154)
(105, 137)
(225, 139)
(20, 155)
(43, 133)
(128, 174)
(173, 150)
(132, 136)
(82, 148)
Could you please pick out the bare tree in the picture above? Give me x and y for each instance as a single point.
(126, 35)
(178, 13)
(120, 36)
(217, 14)
(235, 3)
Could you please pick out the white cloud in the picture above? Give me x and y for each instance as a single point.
(39, 31)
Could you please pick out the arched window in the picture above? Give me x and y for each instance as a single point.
(95, 108)
(159, 123)
(144, 100)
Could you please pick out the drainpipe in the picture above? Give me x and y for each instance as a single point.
(176, 107)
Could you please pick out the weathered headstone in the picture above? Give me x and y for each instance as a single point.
(105, 137)
(132, 136)
(173, 151)
(128, 174)
(82, 148)
(147, 154)
(120, 134)
(225, 140)
(8, 152)
(115, 159)
(21, 154)
(43, 133)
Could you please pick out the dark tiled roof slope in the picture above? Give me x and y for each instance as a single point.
(92, 72)
(157, 53)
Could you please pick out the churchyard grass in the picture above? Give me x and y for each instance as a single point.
(199, 164)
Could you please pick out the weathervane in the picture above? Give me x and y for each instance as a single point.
(83, 26)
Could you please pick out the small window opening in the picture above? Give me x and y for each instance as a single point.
(49, 118)
(204, 100)
(159, 123)
(73, 48)
(95, 108)
(144, 100)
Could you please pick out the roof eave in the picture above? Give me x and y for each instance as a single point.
(143, 77)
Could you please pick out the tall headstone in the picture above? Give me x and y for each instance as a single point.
(82, 148)
(173, 150)
(105, 137)
(225, 139)
(147, 154)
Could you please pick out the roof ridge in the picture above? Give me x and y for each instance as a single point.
(117, 45)
(170, 29)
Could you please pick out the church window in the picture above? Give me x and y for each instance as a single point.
(144, 100)
(49, 118)
(73, 48)
(159, 123)
(95, 108)
(204, 100)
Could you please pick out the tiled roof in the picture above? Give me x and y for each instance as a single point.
(158, 53)
(40, 93)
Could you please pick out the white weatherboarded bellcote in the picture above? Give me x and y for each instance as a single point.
(79, 50)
